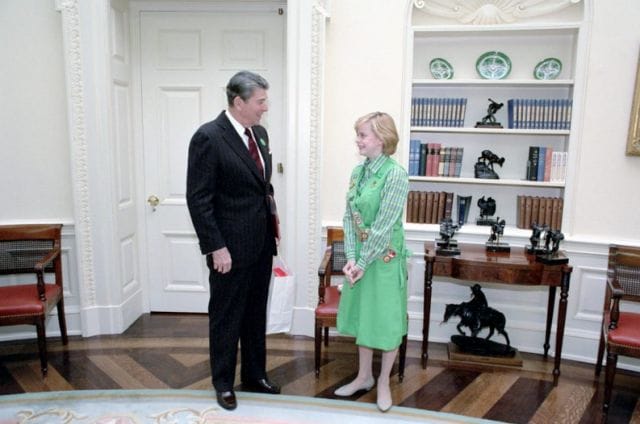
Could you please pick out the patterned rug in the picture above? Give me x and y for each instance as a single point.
(196, 407)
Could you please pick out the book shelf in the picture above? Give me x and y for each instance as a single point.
(525, 44)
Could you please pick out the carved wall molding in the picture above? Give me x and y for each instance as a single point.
(79, 149)
(491, 12)
(319, 17)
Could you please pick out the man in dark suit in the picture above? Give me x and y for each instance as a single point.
(230, 200)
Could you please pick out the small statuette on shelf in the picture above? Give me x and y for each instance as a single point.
(551, 255)
(487, 209)
(489, 121)
(484, 167)
(446, 245)
(497, 231)
(536, 232)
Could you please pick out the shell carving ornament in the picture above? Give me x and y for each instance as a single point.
(490, 12)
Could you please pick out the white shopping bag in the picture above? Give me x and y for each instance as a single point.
(281, 296)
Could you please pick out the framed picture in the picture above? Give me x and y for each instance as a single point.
(633, 140)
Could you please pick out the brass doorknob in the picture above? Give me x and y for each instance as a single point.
(153, 201)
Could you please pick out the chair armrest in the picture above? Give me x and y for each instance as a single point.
(324, 274)
(39, 270)
(615, 287)
(40, 265)
(323, 269)
(616, 294)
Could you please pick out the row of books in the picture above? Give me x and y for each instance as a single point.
(434, 160)
(539, 210)
(429, 207)
(540, 114)
(438, 111)
(543, 164)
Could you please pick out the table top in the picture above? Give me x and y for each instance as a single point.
(515, 267)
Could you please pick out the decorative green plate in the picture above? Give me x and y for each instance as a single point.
(493, 65)
(547, 69)
(440, 69)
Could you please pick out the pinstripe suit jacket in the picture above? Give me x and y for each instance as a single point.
(226, 195)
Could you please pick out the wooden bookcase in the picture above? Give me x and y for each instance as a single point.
(525, 45)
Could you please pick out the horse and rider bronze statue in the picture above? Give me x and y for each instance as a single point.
(477, 315)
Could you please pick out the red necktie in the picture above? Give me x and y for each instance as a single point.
(253, 151)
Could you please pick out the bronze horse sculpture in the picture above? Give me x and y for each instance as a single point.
(476, 315)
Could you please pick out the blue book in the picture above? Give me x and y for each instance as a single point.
(537, 107)
(413, 111)
(436, 109)
(424, 116)
(555, 113)
(446, 122)
(510, 113)
(461, 109)
(414, 156)
(459, 161)
(542, 152)
(532, 163)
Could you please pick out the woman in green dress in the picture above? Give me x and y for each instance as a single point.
(373, 303)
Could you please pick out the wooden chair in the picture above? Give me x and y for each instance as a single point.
(32, 249)
(326, 312)
(620, 329)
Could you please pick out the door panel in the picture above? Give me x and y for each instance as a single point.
(186, 61)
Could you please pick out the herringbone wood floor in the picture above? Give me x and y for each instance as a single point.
(171, 351)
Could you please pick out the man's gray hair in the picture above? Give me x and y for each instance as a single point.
(243, 84)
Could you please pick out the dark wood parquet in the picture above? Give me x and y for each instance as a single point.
(162, 351)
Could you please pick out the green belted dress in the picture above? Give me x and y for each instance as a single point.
(374, 310)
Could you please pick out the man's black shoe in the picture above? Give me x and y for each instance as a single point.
(261, 386)
(227, 400)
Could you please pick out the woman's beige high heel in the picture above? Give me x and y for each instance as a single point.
(349, 389)
(384, 400)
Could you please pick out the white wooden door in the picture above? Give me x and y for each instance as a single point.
(186, 60)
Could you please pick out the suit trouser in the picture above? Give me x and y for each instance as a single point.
(237, 312)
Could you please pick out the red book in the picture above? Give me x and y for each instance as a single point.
(432, 152)
(435, 159)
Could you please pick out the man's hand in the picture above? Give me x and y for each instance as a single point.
(221, 260)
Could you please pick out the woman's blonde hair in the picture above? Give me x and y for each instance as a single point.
(384, 128)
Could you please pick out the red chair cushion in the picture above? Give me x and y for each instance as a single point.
(330, 306)
(628, 331)
(23, 300)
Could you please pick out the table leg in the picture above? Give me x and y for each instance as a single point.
(550, 306)
(562, 315)
(426, 309)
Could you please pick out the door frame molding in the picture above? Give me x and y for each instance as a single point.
(86, 37)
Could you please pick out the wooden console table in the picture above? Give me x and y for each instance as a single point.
(474, 263)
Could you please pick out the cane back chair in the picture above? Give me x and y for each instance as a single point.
(32, 249)
(620, 332)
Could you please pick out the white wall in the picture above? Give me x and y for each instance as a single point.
(365, 56)
(607, 200)
(34, 166)
(364, 67)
